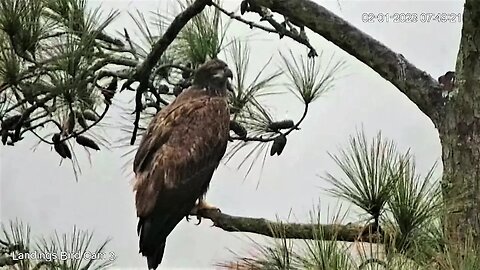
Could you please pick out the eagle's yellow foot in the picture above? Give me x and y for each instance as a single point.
(202, 206)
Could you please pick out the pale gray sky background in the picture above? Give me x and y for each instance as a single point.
(36, 190)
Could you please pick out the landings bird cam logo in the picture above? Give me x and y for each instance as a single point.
(63, 256)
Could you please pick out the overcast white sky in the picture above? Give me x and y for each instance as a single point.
(35, 189)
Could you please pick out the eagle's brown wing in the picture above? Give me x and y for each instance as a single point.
(174, 164)
(158, 130)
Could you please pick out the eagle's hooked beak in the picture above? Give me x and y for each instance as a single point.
(228, 73)
(229, 86)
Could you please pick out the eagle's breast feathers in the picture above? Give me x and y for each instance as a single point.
(187, 136)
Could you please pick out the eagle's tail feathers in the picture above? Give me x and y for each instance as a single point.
(153, 235)
(150, 248)
(155, 228)
(154, 260)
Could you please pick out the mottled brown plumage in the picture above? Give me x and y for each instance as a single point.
(177, 156)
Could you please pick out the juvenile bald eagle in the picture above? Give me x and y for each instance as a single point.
(177, 156)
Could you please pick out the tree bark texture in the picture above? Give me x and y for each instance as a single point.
(460, 133)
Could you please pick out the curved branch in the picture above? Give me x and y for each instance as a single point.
(100, 118)
(338, 232)
(272, 138)
(297, 125)
(416, 84)
(40, 137)
(42, 124)
(143, 71)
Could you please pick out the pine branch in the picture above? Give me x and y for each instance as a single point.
(263, 139)
(338, 232)
(143, 72)
(113, 60)
(100, 118)
(26, 114)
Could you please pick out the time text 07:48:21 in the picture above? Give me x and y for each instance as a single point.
(411, 17)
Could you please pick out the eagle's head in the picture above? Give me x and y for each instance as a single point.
(213, 75)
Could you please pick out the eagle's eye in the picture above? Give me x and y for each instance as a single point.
(223, 73)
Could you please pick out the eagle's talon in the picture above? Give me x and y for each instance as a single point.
(202, 207)
(199, 220)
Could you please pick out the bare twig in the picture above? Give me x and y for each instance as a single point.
(242, 20)
(283, 31)
(132, 48)
(42, 124)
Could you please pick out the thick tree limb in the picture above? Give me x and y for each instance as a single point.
(338, 232)
(416, 84)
